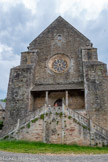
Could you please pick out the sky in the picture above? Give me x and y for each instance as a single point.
(23, 20)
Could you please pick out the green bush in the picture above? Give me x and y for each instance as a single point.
(3, 100)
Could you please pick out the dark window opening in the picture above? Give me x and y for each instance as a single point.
(58, 102)
(59, 37)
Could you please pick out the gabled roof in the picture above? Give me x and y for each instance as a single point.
(59, 19)
(2, 105)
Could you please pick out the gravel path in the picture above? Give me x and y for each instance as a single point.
(20, 157)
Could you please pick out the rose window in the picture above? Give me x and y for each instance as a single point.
(59, 65)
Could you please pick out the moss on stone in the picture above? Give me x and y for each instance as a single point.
(42, 116)
(6, 137)
(34, 120)
(28, 125)
(57, 122)
(84, 126)
(60, 114)
(22, 127)
(69, 117)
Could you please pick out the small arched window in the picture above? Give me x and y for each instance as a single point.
(59, 37)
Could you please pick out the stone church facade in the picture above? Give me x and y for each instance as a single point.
(59, 92)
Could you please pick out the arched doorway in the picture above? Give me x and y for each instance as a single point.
(58, 102)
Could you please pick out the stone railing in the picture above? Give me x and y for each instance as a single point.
(87, 122)
(32, 115)
(100, 130)
(78, 117)
(64, 111)
(23, 121)
(53, 109)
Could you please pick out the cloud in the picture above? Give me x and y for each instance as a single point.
(90, 18)
(7, 60)
(29, 4)
(21, 21)
(89, 9)
(97, 31)
(13, 26)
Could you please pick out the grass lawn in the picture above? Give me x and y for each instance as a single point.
(42, 148)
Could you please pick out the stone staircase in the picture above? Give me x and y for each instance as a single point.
(99, 136)
(97, 133)
(87, 122)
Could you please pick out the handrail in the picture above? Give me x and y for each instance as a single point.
(80, 118)
(101, 130)
(75, 115)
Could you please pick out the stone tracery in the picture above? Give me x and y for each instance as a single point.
(59, 65)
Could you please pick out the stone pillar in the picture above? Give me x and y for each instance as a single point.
(16, 129)
(62, 137)
(92, 137)
(46, 99)
(44, 123)
(66, 98)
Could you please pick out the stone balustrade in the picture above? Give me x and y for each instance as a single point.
(100, 130)
(62, 111)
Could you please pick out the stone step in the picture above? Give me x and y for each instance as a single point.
(80, 119)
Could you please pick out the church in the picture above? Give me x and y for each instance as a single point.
(59, 92)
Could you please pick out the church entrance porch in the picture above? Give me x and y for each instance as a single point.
(74, 99)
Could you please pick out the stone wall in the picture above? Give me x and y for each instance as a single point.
(96, 98)
(2, 114)
(48, 44)
(89, 54)
(18, 96)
